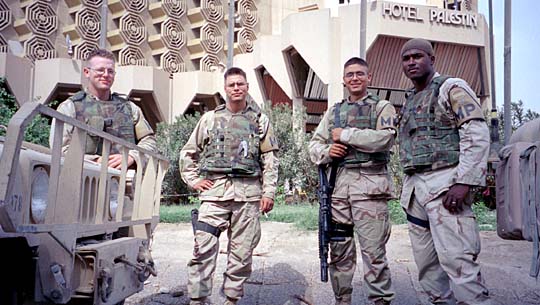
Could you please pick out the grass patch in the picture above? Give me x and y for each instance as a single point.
(397, 215)
(176, 213)
(486, 218)
(306, 216)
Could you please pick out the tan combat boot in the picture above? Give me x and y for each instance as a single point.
(199, 301)
(344, 300)
(230, 301)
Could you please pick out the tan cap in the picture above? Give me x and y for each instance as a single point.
(419, 44)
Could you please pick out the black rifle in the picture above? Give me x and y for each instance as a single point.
(328, 231)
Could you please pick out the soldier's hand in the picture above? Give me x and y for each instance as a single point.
(115, 161)
(336, 134)
(204, 185)
(455, 198)
(267, 204)
(338, 150)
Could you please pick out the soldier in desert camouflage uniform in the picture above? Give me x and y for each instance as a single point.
(102, 109)
(231, 158)
(358, 133)
(444, 145)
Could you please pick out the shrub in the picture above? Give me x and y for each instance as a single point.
(171, 138)
(36, 132)
(294, 163)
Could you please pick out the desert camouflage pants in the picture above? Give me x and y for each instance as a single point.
(446, 254)
(241, 221)
(372, 228)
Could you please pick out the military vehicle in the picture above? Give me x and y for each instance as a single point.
(73, 231)
(518, 190)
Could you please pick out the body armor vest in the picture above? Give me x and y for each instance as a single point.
(114, 117)
(233, 148)
(428, 136)
(360, 115)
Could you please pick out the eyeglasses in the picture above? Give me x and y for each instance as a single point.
(239, 84)
(101, 71)
(358, 74)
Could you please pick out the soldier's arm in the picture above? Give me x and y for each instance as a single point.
(369, 140)
(67, 108)
(473, 134)
(190, 153)
(269, 158)
(319, 146)
(144, 135)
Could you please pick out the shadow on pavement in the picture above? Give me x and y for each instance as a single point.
(278, 284)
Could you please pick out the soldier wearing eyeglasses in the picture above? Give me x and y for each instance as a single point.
(356, 135)
(104, 110)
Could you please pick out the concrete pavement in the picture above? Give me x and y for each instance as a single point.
(286, 269)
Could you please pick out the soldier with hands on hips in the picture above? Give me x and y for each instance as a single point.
(231, 158)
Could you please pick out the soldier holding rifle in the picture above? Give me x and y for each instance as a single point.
(352, 143)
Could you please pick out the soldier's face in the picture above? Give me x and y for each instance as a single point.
(417, 64)
(356, 79)
(236, 88)
(100, 74)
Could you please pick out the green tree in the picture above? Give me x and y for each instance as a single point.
(294, 163)
(519, 116)
(170, 140)
(36, 132)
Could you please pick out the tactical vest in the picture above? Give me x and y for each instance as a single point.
(362, 115)
(114, 117)
(428, 137)
(233, 147)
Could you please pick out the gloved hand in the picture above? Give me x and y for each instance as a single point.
(455, 198)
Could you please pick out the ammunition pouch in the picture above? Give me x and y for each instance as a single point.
(202, 226)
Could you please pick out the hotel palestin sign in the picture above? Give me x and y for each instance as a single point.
(435, 15)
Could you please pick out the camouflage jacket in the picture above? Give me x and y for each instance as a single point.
(144, 135)
(231, 188)
(375, 179)
(459, 99)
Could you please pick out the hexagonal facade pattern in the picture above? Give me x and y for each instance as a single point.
(83, 49)
(135, 6)
(39, 48)
(172, 33)
(132, 29)
(41, 18)
(172, 62)
(246, 39)
(208, 61)
(211, 38)
(212, 10)
(93, 3)
(131, 55)
(88, 23)
(174, 8)
(5, 15)
(248, 13)
(3, 44)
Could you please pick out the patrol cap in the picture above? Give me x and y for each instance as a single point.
(419, 44)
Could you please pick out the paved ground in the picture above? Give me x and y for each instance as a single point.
(286, 270)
